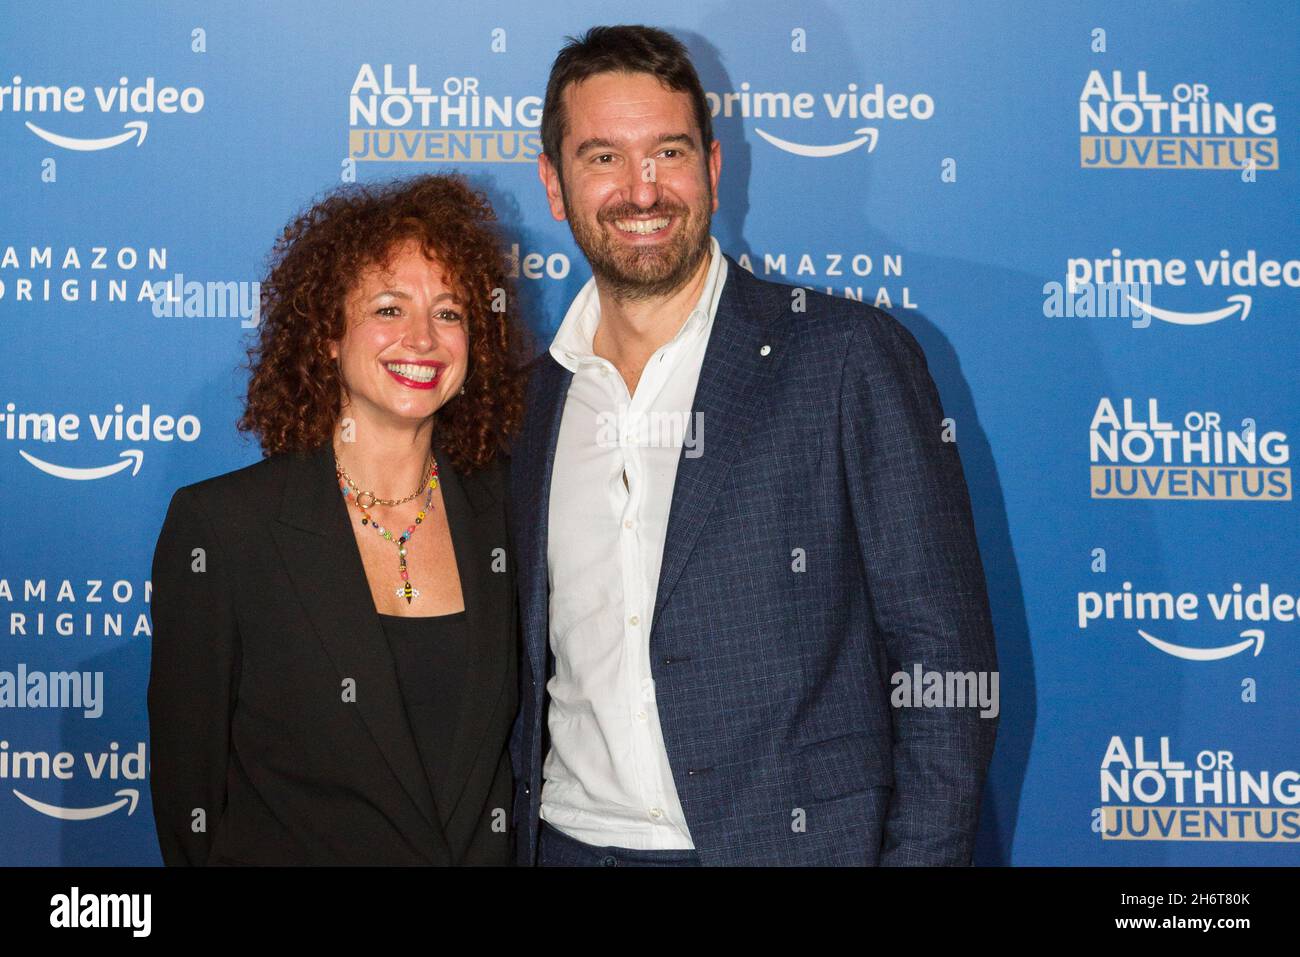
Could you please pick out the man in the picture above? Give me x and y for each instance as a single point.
(735, 519)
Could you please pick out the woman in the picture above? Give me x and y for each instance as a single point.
(334, 651)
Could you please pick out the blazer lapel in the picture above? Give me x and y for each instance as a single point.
(726, 401)
(320, 552)
(476, 534)
(530, 471)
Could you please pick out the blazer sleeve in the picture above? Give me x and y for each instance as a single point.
(915, 533)
(193, 678)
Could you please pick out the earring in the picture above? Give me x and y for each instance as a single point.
(462, 390)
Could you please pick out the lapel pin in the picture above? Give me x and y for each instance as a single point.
(765, 350)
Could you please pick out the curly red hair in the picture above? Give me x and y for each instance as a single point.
(295, 393)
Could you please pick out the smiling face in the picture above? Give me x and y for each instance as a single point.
(405, 350)
(638, 190)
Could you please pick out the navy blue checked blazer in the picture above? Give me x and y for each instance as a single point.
(772, 683)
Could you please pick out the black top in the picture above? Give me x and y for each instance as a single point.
(430, 655)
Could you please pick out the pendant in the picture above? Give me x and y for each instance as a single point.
(364, 500)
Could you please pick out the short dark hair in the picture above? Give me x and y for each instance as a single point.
(620, 49)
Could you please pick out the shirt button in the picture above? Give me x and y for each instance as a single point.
(634, 620)
(656, 813)
(627, 523)
(641, 715)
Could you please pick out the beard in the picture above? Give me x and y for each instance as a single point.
(635, 272)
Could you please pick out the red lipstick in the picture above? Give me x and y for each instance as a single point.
(410, 383)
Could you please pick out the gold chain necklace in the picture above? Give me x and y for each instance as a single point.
(364, 499)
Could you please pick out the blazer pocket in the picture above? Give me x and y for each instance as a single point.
(846, 765)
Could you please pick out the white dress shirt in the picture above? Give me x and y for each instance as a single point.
(607, 777)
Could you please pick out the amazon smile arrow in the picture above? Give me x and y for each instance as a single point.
(86, 474)
(134, 128)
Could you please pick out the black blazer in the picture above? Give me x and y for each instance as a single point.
(278, 734)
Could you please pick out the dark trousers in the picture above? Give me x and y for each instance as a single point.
(557, 849)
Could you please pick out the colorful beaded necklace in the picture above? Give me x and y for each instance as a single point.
(363, 500)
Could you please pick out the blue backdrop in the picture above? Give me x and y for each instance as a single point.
(1086, 214)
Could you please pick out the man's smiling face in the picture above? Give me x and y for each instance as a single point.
(638, 189)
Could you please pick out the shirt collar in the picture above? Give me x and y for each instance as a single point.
(572, 344)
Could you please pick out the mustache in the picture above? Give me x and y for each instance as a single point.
(628, 212)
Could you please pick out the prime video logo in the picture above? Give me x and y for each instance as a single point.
(125, 99)
(20, 425)
(849, 104)
(190, 299)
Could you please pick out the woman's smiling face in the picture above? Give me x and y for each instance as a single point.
(405, 350)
